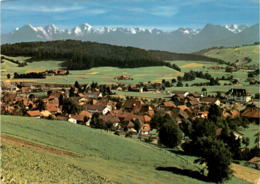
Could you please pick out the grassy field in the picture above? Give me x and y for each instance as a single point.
(204, 67)
(24, 165)
(233, 54)
(143, 95)
(9, 67)
(106, 158)
(250, 133)
(252, 89)
(105, 75)
(19, 58)
(102, 75)
(187, 66)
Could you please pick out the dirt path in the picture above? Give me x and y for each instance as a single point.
(245, 173)
(39, 147)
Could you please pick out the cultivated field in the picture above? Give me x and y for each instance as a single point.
(104, 158)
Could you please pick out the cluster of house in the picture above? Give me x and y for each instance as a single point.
(123, 77)
(122, 113)
(56, 72)
(216, 67)
(36, 87)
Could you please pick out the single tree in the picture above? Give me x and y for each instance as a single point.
(70, 106)
(137, 124)
(170, 134)
(204, 91)
(214, 113)
(217, 158)
(76, 85)
(179, 84)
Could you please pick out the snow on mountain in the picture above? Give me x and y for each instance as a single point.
(77, 30)
(189, 31)
(51, 30)
(85, 27)
(180, 40)
(235, 28)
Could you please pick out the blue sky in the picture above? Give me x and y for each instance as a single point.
(163, 14)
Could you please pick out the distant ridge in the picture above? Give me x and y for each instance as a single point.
(181, 40)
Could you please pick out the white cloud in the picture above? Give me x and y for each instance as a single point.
(96, 11)
(44, 9)
(164, 11)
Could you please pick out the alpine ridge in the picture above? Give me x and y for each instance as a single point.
(181, 40)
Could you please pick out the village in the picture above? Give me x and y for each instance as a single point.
(82, 104)
(97, 106)
(18, 99)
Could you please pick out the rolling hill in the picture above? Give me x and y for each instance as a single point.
(48, 151)
(236, 55)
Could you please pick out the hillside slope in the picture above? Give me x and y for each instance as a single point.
(107, 157)
(235, 55)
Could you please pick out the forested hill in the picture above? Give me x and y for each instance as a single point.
(164, 55)
(84, 55)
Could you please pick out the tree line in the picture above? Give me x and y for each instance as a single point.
(28, 75)
(164, 55)
(79, 55)
(191, 75)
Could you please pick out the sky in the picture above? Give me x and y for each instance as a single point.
(163, 14)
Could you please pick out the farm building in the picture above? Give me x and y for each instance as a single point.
(240, 95)
(251, 113)
(123, 77)
(145, 129)
(255, 162)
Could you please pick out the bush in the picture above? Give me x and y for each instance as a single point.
(179, 84)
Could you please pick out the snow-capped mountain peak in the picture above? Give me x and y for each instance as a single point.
(235, 28)
(51, 27)
(77, 30)
(188, 31)
(27, 27)
(180, 40)
(85, 27)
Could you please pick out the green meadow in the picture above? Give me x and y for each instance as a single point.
(203, 66)
(102, 75)
(105, 75)
(251, 132)
(234, 54)
(105, 158)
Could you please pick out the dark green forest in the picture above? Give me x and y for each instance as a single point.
(164, 55)
(79, 55)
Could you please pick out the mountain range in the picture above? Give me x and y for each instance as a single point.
(181, 40)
